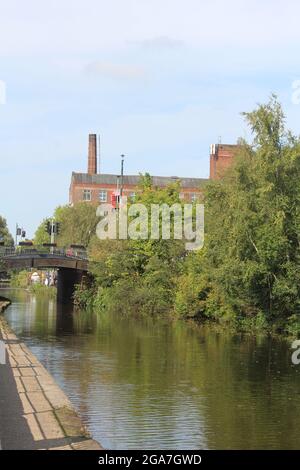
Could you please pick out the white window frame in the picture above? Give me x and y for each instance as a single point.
(101, 192)
(85, 192)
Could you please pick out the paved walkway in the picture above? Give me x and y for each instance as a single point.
(34, 411)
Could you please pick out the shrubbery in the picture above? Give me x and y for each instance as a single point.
(20, 279)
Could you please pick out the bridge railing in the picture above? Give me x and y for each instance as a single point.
(5, 251)
(40, 251)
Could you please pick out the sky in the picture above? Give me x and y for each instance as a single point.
(159, 80)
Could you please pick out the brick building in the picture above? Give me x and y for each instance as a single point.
(105, 188)
(221, 157)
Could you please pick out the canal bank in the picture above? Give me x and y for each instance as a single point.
(4, 303)
(35, 413)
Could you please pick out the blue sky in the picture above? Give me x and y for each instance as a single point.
(159, 80)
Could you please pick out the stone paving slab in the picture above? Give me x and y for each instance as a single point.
(47, 411)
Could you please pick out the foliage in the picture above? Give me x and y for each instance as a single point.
(190, 288)
(20, 279)
(5, 235)
(249, 268)
(77, 225)
(41, 236)
(84, 297)
(136, 276)
(41, 289)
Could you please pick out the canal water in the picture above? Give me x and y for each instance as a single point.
(146, 384)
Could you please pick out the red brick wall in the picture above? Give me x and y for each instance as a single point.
(221, 157)
(76, 192)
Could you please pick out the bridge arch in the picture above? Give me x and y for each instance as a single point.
(72, 266)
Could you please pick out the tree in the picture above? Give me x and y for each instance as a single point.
(5, 235)
(137, 276)
(249, 268)
(77, 225)
(41, 235)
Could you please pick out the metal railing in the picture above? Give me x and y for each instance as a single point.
(42, 251)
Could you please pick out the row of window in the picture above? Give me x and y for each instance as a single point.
(193, 196)
(102, 195)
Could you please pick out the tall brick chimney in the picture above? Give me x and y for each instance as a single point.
(92, 157)
(221, 158)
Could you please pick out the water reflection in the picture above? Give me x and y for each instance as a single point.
(152, 384)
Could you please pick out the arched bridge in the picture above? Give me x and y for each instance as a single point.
(71, 265)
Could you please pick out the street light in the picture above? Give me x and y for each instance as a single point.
(122, 174)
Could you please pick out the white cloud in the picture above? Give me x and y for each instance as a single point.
(161, 42)
(74, 26)
(116, 71)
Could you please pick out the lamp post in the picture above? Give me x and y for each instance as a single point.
(122, 175)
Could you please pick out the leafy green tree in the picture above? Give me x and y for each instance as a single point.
(77, 225)
(41, 235)
(5, 235)
(137, 276)
(249, 269)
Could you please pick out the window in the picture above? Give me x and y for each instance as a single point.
(193, 197)
(132, 196)
(181, 196)
(87, 195)
(102, 195)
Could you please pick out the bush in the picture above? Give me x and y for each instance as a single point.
(40, 289)
(188, 301)
(20, 279)
(84, 297)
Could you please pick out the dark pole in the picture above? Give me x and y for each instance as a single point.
(122, 174)
(18, 233)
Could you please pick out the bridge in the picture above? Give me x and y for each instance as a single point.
(71, 265)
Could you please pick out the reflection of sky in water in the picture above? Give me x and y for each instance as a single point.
(146, 384)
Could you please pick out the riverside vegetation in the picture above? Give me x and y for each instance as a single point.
(21, 279)
(248, 272)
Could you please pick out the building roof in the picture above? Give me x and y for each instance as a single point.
(134, 180)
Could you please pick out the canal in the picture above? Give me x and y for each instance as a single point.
(145, 384)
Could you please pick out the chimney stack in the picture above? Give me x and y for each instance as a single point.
(92, 158)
